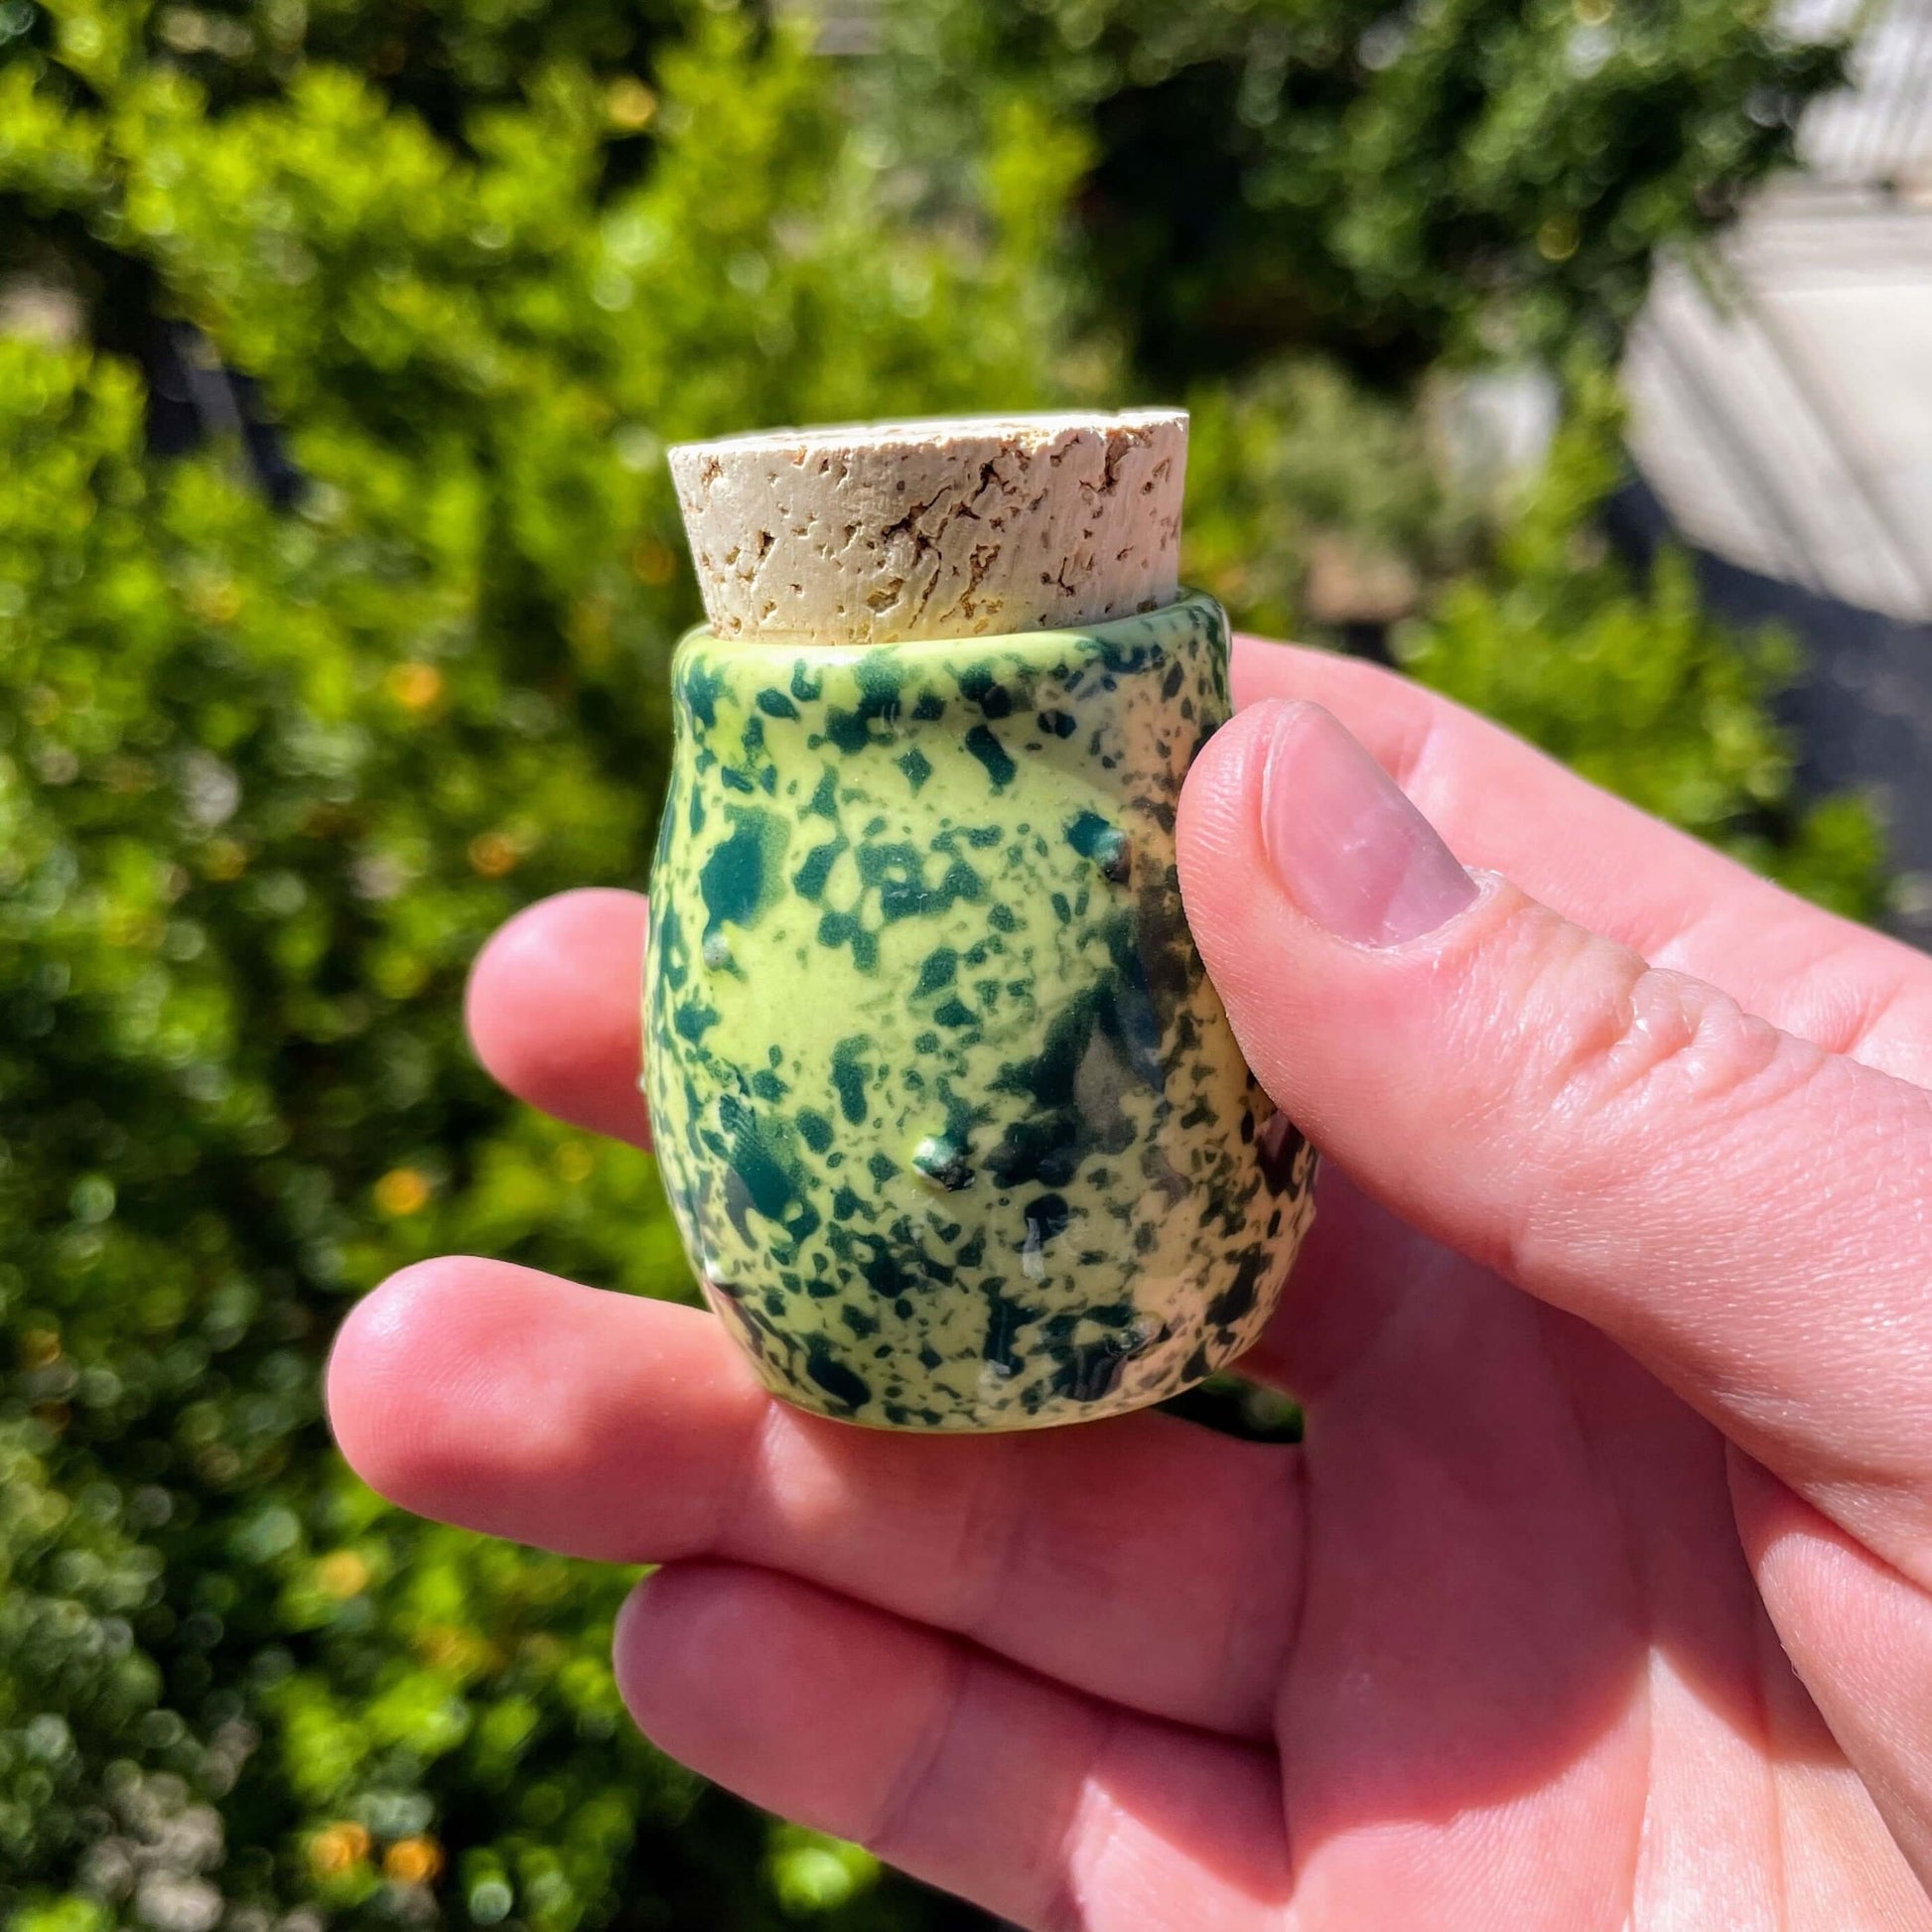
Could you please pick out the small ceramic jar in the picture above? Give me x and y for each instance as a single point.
(952, 1121)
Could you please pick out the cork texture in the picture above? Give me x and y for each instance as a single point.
(956, 528)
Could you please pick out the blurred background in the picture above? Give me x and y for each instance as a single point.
(1574, 354)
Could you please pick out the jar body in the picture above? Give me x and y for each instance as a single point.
(952, 1119)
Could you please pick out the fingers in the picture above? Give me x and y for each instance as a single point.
(1145, 1561)
(556, 1009)
(1046, 1807)
(1742, 1210)
(1857, 1632)
(1505, 807)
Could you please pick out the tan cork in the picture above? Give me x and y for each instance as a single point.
(956, 528)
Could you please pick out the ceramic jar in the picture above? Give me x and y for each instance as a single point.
(951, 1116)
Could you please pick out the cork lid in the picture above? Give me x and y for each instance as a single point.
(955, 527)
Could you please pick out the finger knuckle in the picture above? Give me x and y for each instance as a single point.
(899, 1817)
(1620, 1038)
(1659, 1034)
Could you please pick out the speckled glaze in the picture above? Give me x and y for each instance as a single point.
(952, 1119)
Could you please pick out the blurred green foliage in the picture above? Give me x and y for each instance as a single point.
(269, 776)
(1382, 182)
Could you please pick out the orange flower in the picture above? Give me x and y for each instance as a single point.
(412, 1860)
(654, 563)
(402, 1191)
(414, 686)
(492, 854)
(339, 1848)
(343, 1574)
(628, 104)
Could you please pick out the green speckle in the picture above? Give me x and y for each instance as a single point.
(814, 1129)
(741, 877)
(1088, 1371)
(942, 1161)
(755, 1160)
(1005, 1317)
(849, 1077)
(941, 964)
(960, 882)
(1106, 845)
(897, 873)
(836, 929)
(1047, 1219)
(701, 685)
(692, 1021)
(985, 746)
(916, 766)
(1234, 1300)
(775, 704)
(838, 1381)
(808, 882)
(848, 730)
(978, 685)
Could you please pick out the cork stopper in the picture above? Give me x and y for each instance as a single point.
(956, 528)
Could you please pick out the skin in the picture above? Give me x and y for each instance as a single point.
(1597, 1594)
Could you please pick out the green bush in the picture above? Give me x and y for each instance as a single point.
(268, 778)
(1382, 182)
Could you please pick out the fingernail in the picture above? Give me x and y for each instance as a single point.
(1344, 843)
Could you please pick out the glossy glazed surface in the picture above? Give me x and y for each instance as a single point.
(949, 1114)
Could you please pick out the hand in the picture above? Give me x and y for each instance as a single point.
(1599, 1592)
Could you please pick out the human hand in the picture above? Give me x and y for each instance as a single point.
(1614, 1337)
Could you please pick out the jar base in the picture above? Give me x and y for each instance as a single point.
(916, 1417)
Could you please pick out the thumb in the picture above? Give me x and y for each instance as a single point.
(1742, 1210)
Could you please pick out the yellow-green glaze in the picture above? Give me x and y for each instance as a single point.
(949, 1113)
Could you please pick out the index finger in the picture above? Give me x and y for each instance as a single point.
(555, 1009)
